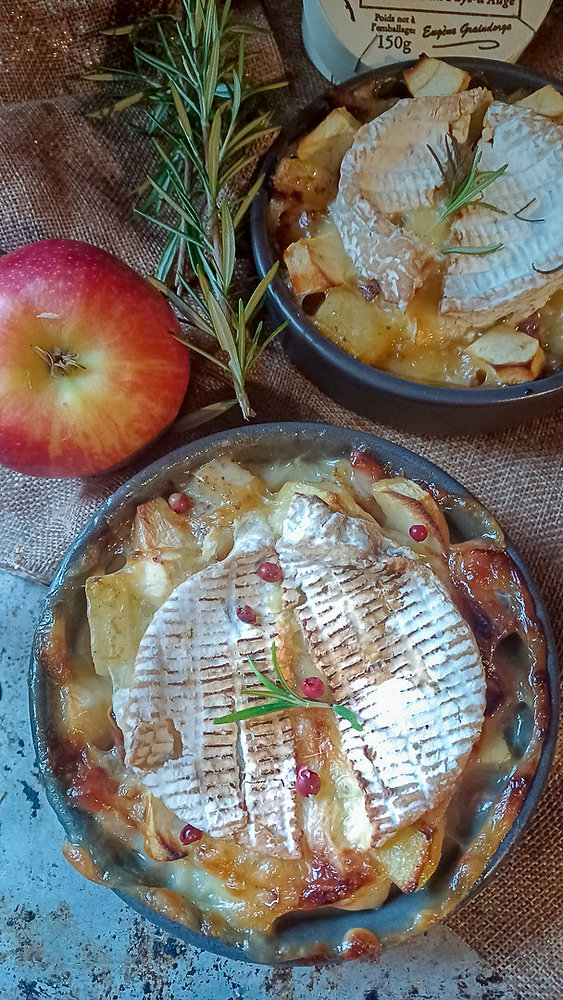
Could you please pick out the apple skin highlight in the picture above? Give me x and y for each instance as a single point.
(90, 371)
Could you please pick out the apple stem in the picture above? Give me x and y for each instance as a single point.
(59, 361)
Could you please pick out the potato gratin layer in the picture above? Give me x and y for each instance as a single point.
(385, 628)
(421, 235)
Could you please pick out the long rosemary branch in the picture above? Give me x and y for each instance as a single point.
(192, 79)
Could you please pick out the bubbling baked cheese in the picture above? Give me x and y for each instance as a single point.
(354, 602)
(352, 609)
(388, 267)
(348, 571)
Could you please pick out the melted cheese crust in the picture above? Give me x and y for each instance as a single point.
(421, 323)
(218, 885)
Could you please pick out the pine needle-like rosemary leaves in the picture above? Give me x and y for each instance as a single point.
(278, 698)
(191, 78)
(465, 184)
(478, 251)
(467, 187)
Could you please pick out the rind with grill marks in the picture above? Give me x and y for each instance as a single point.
(191, 667)
(377, 623)
(481, 289)
(393, 646)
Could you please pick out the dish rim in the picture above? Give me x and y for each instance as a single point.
(352, 368)
(400, 459)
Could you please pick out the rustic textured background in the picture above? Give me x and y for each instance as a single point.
(63, 175)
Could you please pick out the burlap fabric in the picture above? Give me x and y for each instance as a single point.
(63, 175)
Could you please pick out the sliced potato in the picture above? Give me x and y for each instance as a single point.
(404, 503)
(368, 897)
(222, 490)
(84, 709)
(546, 101)
(225, 481)
(156, 526)
(493, 748)
(434, 78)
(121, 605)
(328, 142)
(361, 328)
(162, 831)
(515, 357)
(305, 273)
(317, 264)
(315, 184)
(405, 856)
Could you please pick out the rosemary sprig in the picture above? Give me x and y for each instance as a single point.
(550, 270)
(465, 185)
(191, 78)
(279, 697)
(470, 187)
(518, 214)
(490, 248)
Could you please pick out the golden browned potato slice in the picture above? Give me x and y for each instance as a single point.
(84, 710)
(121, 605)
(225, 481)
(368, 897)
(515, 356)
(162, 831)
(493, 748)
(361, 328)
(305, 271)
(546, 101)
(328, 142)
(156, 526)
(404, 504)
(434, 78)
(317, 264)
(315, 184)
(410, 857)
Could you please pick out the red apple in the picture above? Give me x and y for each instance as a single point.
(89, 369)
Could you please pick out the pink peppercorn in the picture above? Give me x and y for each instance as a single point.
(246, 614)
(270, 572)
(313, 687)
(418, 532)
(307, 782)
(179, 503)
(189, 834)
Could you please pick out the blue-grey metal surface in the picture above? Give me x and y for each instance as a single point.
(62, 938)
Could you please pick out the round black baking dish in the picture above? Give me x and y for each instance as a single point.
(530, 729)
(412, 406)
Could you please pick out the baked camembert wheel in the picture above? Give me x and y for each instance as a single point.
(284, 695)
(426, 241)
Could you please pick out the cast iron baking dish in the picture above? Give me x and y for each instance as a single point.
(498, 812)
(412, 406)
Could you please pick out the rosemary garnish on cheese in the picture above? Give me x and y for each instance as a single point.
(465, 184)
(278, 697)
(491, 248)
(465, 190)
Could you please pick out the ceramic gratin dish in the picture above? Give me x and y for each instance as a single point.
(492, 802)
(422, 407)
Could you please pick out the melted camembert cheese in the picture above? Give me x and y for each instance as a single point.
(470, 299)
(354, 844)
